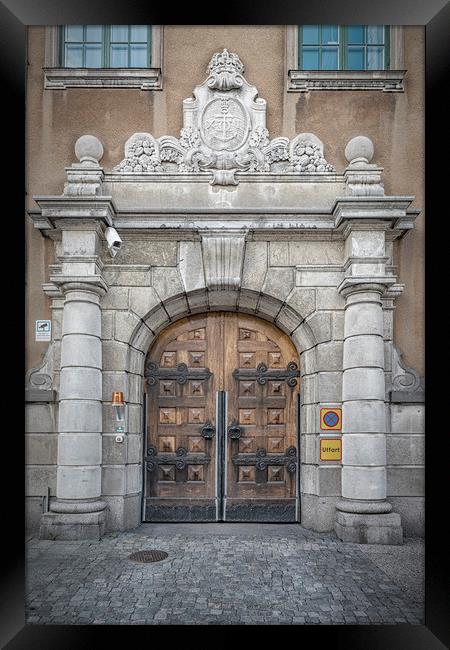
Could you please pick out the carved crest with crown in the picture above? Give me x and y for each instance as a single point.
(224, 132)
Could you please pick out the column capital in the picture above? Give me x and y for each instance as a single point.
(353, 285)
(93, 284)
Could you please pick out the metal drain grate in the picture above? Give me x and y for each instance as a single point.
(148, 556)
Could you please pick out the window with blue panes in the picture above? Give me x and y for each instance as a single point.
(343, 47)
(105, 46)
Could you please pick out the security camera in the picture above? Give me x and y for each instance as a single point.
(114, 241)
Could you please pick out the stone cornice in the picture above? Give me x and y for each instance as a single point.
(389, 213)
(71, 208)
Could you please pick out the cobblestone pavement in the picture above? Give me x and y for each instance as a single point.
(216, 574)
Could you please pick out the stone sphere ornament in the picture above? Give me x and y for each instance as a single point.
(88, 148)
(359, 149)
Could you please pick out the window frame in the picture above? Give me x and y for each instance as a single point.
(342, 47)
(388, 79)
(106, 48)
(57, 77)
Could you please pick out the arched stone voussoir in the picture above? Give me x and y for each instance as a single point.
(157, 319)
(198, 300)
(288, 319)
(176, 306)
(303, 337)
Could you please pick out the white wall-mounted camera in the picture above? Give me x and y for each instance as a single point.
(114, 241)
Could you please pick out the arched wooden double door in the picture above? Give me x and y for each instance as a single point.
(222, 422)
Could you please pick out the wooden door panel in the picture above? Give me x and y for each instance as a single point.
(181, 372)
(253, 471)
(262, 462)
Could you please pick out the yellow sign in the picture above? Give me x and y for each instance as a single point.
(331, 419)
(330, 449)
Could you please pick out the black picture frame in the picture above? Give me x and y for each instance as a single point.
(15, 15)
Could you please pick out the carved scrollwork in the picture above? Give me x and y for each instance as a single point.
(41, 377)
(404, 378)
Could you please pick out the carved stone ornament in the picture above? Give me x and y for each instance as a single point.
(41, 377)
(224, 131)
(85, 177)
(404, 378)
(223, 259)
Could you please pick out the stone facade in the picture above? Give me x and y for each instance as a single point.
(225, 218)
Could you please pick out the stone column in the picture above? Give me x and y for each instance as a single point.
(78, 511)
(363, 510)
(363, 514)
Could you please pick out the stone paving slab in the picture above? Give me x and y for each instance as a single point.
(215, 574)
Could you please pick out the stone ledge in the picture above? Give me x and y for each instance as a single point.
(384, 80)
(404, 396)
(142, 78)
(39, 395)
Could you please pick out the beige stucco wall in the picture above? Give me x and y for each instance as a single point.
(394, 121)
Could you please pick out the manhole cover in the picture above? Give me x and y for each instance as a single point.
(148, 556)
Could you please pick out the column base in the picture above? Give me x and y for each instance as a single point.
(369, 529)
(72, 526)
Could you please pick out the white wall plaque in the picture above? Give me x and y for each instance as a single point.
(43, 330)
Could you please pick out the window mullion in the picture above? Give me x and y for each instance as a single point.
(83, 48)
(387, 48)
(366, 47)
(105, 46)
(62, 45)
(149, 46)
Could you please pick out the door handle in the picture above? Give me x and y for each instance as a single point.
(208, 430)
(234, 430)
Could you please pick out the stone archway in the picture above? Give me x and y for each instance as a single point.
(305, 334)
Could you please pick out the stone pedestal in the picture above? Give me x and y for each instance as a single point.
(78, 511)
(361, 528)
(363, 514)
